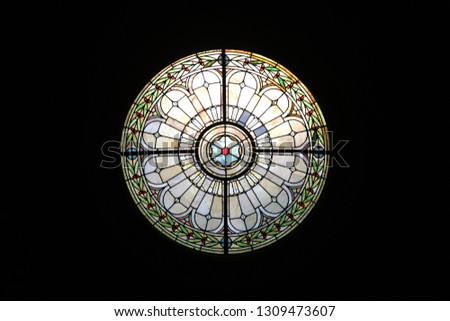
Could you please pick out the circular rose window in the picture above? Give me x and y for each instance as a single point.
(225, 151)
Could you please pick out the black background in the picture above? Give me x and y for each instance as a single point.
(70, 230)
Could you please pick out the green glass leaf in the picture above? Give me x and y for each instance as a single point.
(146, 109)
(173, 71)
(153, 213)
(316, 183)
(161, 80)
(134, 184)
(185, 231)
(286, 79)
(314, 137)
(307, 103)
(310, 197)
(281, 81)
(319, 168)
(133, 138)
(140, 106)
(304, 193)
(298, 91)
(294, 207)
(314, 163)
(213, 238)
(142, 198)
(209, 64)
(154, 95)
(315, 119)
(320, 137)
(272, 68)
(311, 179)
(165, 224)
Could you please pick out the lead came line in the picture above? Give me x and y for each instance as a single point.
(225, 183)
(290, 151)
(157, 152)
(281, 151)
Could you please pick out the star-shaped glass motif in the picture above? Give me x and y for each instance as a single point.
(225, 151)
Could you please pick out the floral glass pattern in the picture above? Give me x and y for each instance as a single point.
(225, 151)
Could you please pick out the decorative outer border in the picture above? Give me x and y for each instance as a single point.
(145, 107)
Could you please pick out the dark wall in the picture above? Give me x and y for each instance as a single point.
(376, 232)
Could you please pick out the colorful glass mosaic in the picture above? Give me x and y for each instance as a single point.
(225, 151)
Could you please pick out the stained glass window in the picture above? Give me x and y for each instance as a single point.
(225, 151)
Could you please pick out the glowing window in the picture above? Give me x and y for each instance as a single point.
(225, 151)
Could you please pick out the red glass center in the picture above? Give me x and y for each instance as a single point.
(225, 151)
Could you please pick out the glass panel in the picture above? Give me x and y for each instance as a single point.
(224, 150)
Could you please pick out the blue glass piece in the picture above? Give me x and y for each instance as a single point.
(222, 242)
(221, 159)
(216, 151)
(221, 60)
(318, 151)
(131, 153)
(244, 117)
(230, 159)
(260, 130)
(235, 151)
(220, 143)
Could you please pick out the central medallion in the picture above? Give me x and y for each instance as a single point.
(225, 150)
